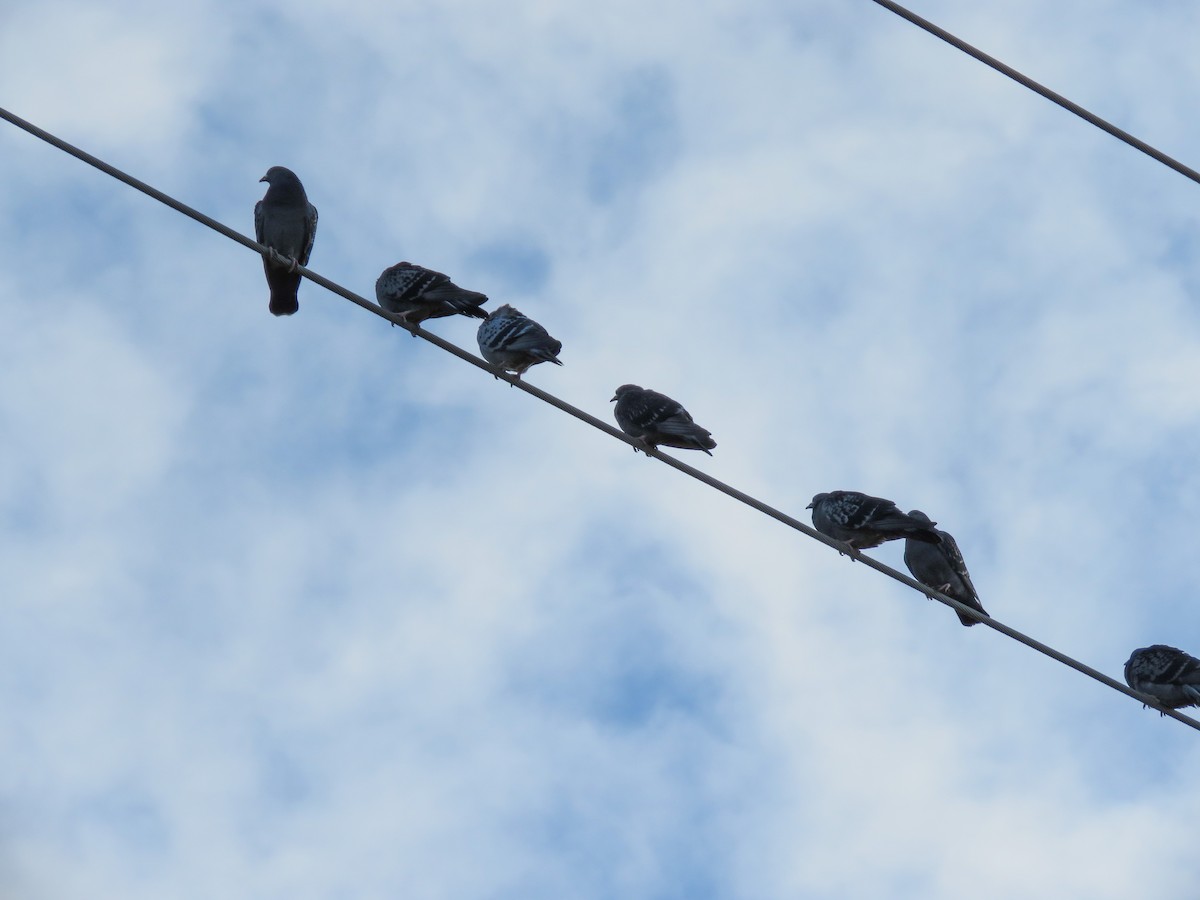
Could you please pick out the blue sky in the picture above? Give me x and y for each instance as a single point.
(306, 608)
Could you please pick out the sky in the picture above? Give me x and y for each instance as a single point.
(305, 608)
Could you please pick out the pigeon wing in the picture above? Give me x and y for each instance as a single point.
(310, 234)
(954, 557)
(681, 423)
(855, 510)
(530, 337)
(653, 410)
(415, 284)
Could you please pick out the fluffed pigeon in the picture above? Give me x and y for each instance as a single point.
(861, 521)
(941, 567)
(656, 419)
(285, 222)
(512, 341)
(415, 294)
(1170, 676)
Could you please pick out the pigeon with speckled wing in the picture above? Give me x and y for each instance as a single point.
(512, 341)
(415, 294)
(862, 521)
(285, 222)
(1170, 676)
(655, 419)
(941, 567)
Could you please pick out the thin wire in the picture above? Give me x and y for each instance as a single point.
(1088, 116)
(562, 405)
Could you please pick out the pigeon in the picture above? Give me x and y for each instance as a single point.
(415, 294)
(860, 521)
(286, 223)
(1170, 676)
(941, 567)
(656, 419)
(512, 341)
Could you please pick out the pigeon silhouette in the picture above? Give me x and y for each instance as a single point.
(861, 521)
(512, 341)
(657, 420)
(415, 294)
(285, 222)
(941, 567)
(1170, 676)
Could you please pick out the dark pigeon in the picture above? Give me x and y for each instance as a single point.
(655, 419)
(415, 294)
(512, 341)
(941, 567)
(285, 222)
(861, 521)
(1170, 676)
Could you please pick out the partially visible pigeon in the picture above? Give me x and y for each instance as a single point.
(861, 521)
(285, 222)
(1170, 676)
(415, 294)
(512, 341)
(941, 567)
(656, 419)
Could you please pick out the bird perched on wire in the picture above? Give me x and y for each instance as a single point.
(861, 521)
(286, 223)
(655, 419)
(941, 567)
(415, 294)
(512, 341)
(1170, 676)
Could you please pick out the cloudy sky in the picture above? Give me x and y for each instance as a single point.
(305, 608)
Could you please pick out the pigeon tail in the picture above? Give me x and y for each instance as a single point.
(897, 524)
(284, 306)
(684, 435)
(694, 441)
(473, 312)
(465, 302)
(284, 287)
(457, 300)
(965, 619)
(923, 534)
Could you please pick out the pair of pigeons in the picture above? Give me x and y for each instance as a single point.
(508, 338)
(932, 556)
(286, 223)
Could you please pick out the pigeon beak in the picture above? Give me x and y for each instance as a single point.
(613, 400)
(810, 506)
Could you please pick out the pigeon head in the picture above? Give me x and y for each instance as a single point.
(920, 516)
(819, 498)
(622, 390)
(280, 175)
(502, 312)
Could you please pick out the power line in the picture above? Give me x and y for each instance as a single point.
(562, 405)
(1054, 97)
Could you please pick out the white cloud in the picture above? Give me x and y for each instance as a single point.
(118, 77)
(305, 607)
